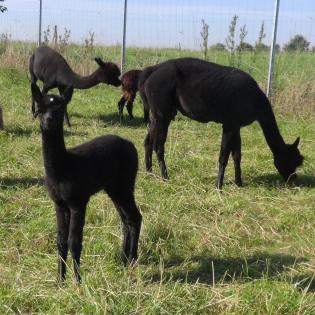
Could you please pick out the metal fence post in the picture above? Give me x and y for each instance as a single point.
(123, 45)
(273, 47)
(40, 24)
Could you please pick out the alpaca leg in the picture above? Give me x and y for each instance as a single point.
(131, 219)
(148, 147)
(224, 156)
(67, 117)
(130, 105)
(236, 154)
(146, 108)
(61, 90)
(121, 105)
(146, 114)
(75, 238)
(63, 220)
(159, 139)
(33, 80)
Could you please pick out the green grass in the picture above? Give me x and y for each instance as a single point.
(245, 251)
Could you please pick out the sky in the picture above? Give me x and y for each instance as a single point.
(158, 23)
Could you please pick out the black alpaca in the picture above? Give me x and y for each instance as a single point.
(107, 163)
(129, 87)
(205, 92)
(52, 69)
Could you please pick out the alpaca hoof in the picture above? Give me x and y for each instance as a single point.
(128, 261)
(219, 185)
(238, 183)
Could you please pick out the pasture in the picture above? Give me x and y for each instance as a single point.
(249, 250)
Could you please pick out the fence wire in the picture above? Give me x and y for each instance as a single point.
(160, 29)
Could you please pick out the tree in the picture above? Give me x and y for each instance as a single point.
(230, 40)
(218, 47)
(297, 43)
(259, 45)
(244, 46)
(2, 7)
(204, 35)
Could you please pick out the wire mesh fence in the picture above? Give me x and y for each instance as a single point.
(236, 33)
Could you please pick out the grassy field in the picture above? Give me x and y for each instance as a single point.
(249, 250)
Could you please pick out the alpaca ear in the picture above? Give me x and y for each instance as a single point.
(36, 93)
(99, 61)
(67, 94)
(296, 142)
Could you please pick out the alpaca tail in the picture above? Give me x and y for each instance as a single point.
(31, 67)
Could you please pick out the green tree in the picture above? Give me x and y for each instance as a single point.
(218, 47)
(297, 43)
(230, 40)
(244, 46)
(204, 35)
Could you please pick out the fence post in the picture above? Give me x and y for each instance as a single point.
(40, 24)
(123, 45)
(273, 47)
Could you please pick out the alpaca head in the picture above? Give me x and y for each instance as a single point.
(109, 72)
(288, 160)
(50, 108)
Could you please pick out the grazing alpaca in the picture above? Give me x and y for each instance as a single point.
(52, 69)
(205, 92)
(129, 87)
(107, 163)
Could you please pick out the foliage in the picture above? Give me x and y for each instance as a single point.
(259, 45)
(297, 43)
(47, 35)
(89, 44)
(2, 7)
(58, 41)
(242, 46)
(5, 39)
(230, 40)
(204, 35)
(218, 47)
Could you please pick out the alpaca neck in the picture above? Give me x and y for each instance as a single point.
(85, 82)
(54, 152)
(270, 129)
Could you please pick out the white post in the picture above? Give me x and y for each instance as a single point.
(123, 45)
(273, 46)
(40, 24)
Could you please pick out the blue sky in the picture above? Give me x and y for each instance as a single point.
(158, 23)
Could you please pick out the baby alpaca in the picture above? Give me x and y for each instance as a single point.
(129, 87)
(107, 163)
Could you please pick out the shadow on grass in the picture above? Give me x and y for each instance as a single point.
(23, 182)
(68, 132)
(203, 269)
(276, 180)
(19, 131)
(113, 119)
